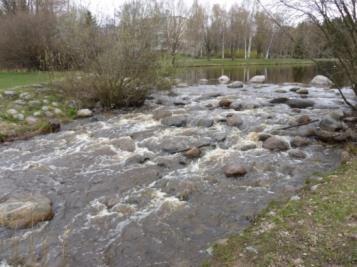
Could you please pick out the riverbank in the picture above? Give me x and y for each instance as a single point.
(204, 62)
(317, 227)
(10, 79)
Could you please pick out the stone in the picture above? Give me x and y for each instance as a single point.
(55, 104)
(25, 96)
(203, 81)
(295, 198)
(225, 103)
(202, 122)
(275, 143)
(25, 211)
(263, 136)
(45, 108)
(299, 141)
(175, 121)
(258, 79)
(302, 91)
(161, 113)
(19, 116)
(124, 143)
(193, 153)
(234, 120)
(248, 146)
(279, 100)
(37, 114)
(236, 84)
(57, 111)
(54, 126)
(34, 103)
(300, 103)
(297, 154)
(331, 122)
(304, 119)
(12, 112)
(182, 85)
(294, 89)
(84, 113)
(234, 170)
(281, 91)
(10, 93)
(224, 79)
(20, 102)
(49, 114)
(237, 105)
(31, 120)
(321, 80)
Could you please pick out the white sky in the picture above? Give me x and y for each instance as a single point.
(106, 8)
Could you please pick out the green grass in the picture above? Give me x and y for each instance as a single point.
(203, 62)
(317, 230)
(13, 79)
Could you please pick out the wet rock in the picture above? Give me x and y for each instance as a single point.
(202, 122)
(203, 81)
(175, 121)
(332, 137)
(25, 211)
(281, 91)
(225, 103)
(332, 122)
(300, 103)
(161, 113)
(236, 84)
(294, 89)
(54, 126)
(279, 100)
(176, 161)
(248, 146)
(124, 143)
(223, 79)
(84, 113)
(297, 154)
(304, 119)
(258, 79)
(123, 209)
(321, 80)
(234, 170)
(299, 141)
(237, 105)
(182, 85)
(234, 120)
(31, 120)
(263, 136)
(275, 143)
(193, 153)
(302, 91)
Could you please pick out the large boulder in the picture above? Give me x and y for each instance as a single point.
(300, 103)
(234, 170)
(236, 84)
(175, 121)
(258, 79)
(275, 143)
(25, 211)
(224, 79)
(321, 80)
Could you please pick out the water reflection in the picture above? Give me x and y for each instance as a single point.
(274, 74)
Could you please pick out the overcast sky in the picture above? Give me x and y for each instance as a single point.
(106, 8)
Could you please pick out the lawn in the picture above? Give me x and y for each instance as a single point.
(203, 62)
(13, 79)
(318, 228)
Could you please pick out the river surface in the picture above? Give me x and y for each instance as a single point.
(124, 195)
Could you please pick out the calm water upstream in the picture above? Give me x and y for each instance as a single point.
(124, 194)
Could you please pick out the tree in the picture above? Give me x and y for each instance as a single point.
(195, 31)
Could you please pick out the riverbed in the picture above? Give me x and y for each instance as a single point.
(124, 193)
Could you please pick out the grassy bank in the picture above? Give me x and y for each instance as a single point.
(319, 229)
(202, 62)
(13, 79)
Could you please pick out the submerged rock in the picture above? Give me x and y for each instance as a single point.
(234, 170)
(279, 100)
(236, 84)
(275, 143)
(19, 212)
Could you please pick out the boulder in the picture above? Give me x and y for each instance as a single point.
(225, 103)
(279, 100)
(84, 113)
(25, 211)
(202, 122)
(304, 119)
(161, 113)
(263, 136)
(331, 122)
(275, 143)
(234, 170)
(297, 154)
(10, 93)
(302, 91)
(223, 79)
(175, 121)
(299, 141)
(321, 80)
(234, 120)
(300, 103)
(193, 153)
(236, 84)
(124, 143)
(258, 79)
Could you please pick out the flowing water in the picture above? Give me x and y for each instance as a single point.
(148, 205)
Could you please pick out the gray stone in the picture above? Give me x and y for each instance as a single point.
(175, 121)
(234, 120)
(279, 100)
(31, 120)
(19, 116)
(300, 103)
(202, 122)
(302, 91)
(264, 136)
(236, 84)
(223, 79)
(20, 102)
(321, 80)
(84, 113)
(297, 154)
(249, 146)
(124, 143)
(10, 93)
(234, 170)
(161, 113)
(45, 108)
(281, 91)
(25, 211)
(258, 79)
(11, 112)
(275, 143)
(57, 111)
(49, 114)
(37, 114)
(299, 141)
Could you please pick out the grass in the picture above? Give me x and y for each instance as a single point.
(13, 79)
(317, 230)
(203, 62)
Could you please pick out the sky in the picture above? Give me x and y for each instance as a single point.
(106, 8)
